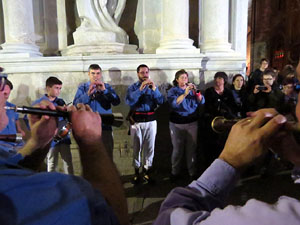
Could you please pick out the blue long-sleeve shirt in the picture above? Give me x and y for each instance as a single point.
(48, 198)
(102, 104)
(202, 203)
(143, 101)
(189, 104)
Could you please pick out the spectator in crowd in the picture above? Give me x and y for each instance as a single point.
(288, 71)
(266, 96)
(219, 101)
(184, 101)
(240, 95)
(13, 127)
(290, 97)
(143, 97)
(256, 76)
(100, 97)
(28, 197)
(62, 146)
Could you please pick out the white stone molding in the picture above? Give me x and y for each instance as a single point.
(19, 30)
(214, 31)
(99, 29)
(175, 28)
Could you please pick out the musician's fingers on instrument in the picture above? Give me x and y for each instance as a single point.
(88, 108)
(80, 107)
(71, 108)
(273, 125)
(262, 116)
(244, 121)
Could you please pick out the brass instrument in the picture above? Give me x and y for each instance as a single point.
(220, 125)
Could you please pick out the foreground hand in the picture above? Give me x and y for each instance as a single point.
(86, 125)
(249, 138)
(42, 128)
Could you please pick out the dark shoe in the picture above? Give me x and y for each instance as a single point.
(148, 179)
(136, 179)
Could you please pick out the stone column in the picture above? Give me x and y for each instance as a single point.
(214, 18)
(239, 26)
(175, 28)
(147, 25)
(62, 24)
(19, 29)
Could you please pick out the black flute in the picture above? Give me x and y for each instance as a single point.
(114, 119)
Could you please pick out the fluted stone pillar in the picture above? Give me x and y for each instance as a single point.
(19, 29)
(62, 24)
(214, 16)
(175, 32)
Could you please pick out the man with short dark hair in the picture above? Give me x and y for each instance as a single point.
(100, 97)
(62, 147)
(143, 97)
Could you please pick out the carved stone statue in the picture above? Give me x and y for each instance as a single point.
(102, 16)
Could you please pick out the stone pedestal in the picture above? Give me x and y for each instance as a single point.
(215, 22)
(19, 30)
(175, 33)
(100, 49)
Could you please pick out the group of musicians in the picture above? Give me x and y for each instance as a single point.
(143, 97)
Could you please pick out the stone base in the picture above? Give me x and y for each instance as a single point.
(94, 37)
(19, 51)
(104, 48)
(177, 46)
(216, 47)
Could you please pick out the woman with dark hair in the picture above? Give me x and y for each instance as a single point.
(184, 101)
(239, 94)
(219, 101)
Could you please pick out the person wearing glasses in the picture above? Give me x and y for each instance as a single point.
(266, 95)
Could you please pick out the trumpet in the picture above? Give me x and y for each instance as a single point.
(220, 125)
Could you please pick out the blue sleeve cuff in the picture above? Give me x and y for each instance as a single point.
(202, 100)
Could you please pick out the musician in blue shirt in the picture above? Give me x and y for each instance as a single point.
(184, 100)
(100, 97)
(53, 88)
(13, 127)
(143, 97)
